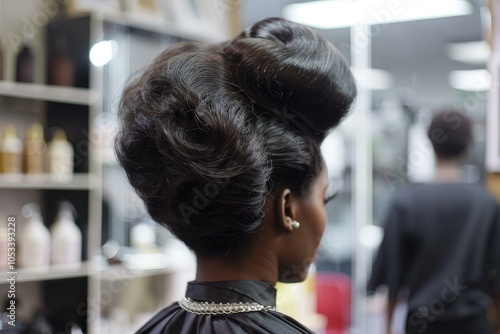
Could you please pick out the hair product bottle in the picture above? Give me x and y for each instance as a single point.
(66, 238)
(61, 65)
(34, 240)
(11, 155)
(25, 67)
(35, 150)
(60, 158)
(143, 237)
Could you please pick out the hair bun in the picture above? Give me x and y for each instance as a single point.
(191, 152)
(291, 71)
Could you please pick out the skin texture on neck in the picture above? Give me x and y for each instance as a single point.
(256, 265)
(448, 170)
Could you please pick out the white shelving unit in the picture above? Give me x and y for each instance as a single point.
(88, 182)
(162, 27)
(22, 104)
(54, 272)
(118, 273)
(24, 275)
(80, 96)
(80, 181)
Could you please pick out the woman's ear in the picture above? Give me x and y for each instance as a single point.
(286, 210)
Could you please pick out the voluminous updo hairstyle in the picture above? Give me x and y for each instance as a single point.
(208, 131)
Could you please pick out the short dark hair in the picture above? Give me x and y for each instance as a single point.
(450, 133)
(208, 131)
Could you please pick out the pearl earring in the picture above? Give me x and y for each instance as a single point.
(295, 224)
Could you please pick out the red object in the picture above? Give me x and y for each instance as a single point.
(333, 292)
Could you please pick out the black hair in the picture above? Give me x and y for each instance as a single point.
(450, 133)
(208, 131)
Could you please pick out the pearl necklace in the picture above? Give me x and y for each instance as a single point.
(211, 308)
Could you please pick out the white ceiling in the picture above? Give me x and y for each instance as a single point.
(413, 52)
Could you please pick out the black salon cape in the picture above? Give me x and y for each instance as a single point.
(442, 243)
(175, 320)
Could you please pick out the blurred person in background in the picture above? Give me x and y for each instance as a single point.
(222, 142)
(442, 243)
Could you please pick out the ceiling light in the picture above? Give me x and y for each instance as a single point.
(330, 14)
(322, 14)
(476, 53)
(472, 80)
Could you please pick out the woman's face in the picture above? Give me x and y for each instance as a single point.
(304, 241)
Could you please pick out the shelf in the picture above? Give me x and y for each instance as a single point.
(119, 272)
(61, 94)
(79, 182)
(53, 273)
(160, 26)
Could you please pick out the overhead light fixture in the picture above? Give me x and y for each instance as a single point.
(323, 14)
(475, 53)
(331, 14)
(471, 80)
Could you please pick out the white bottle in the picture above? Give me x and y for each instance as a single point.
(34, 240)
(60, 158)
(143, 237)
(11, 155)
(66, 238)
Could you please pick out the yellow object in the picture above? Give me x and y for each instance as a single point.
(298, 300)
(35, 151)
(11, 153)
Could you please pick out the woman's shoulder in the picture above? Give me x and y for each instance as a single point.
(162, 317)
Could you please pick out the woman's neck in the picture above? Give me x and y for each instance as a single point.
(253, 265)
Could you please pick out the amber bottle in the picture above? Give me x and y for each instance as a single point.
(25, 64)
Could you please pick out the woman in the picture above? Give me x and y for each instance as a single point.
(222, 142)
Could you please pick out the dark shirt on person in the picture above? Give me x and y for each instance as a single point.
(442, 244)
(176, 320)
